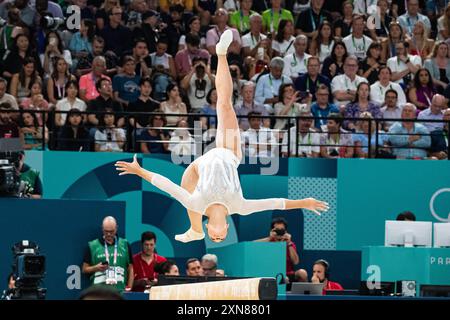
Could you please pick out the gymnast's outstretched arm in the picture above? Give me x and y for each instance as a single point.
(252, 206)
(157, 180)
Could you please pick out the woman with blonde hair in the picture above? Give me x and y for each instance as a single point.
(444, 24)
(419, 43)
(396, 35)
(438, 63)
(210, 185)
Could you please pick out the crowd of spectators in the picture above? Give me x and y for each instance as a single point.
(128, 75)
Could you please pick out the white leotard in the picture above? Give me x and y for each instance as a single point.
(218, 183)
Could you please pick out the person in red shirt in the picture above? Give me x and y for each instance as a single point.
(278, 233)
(321, 274)
(144, 262)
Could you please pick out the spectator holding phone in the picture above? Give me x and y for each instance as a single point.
(108, 259)
(310, 81)
(278, 233)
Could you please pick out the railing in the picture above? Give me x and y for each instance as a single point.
(283, 138)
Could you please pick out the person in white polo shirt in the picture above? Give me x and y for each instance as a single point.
(344, 86)
(255, 40)
(356, 42)
(403, 65)
(295, 63)
(378, 89)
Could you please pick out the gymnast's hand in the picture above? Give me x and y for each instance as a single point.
(128, 167)
(315, 205)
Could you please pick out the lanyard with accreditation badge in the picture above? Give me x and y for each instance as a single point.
(115, 252)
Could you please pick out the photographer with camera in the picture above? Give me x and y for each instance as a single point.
(278, 233)
(108, 259)
(29, 178)
(198, 82)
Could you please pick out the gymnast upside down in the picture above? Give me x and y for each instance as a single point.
(210, 185)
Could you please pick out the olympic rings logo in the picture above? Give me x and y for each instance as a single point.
(433, 198)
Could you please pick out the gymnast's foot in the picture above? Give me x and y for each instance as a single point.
(224, 43)
(189, 236)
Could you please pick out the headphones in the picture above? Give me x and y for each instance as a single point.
(326, 265)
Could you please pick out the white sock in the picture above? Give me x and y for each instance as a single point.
(189, 236)
(224, 42)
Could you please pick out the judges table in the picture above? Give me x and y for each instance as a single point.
(425, 266)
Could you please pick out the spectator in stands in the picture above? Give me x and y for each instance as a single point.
(108, 259)
(81, 42)
(283, 44)
(20, 51)
(439, 139)
(322, 107)
(86, 64)
(194, 27)
(151, 140)
(359, 105)
(342, 26)
(406, 216)
(344, 86)
(73, 135)
(308, 83)
(310, 19)
(279, 233)
(142, 58)
(210, 109)
(248, 104)
(188, 5)
(379, 89)
(54, 48)
(45, 7)
(396, 35)
(410, 139)
(149, 29)
(33, 134)
(391, 109)
(403, 65)
(257, 140)
(181, 142)
(443, 24)
(308, 145)
(183, 59)
(69, 102)
(197, 83)
(9, 30)
(117, 37)
(109, 138)
(268, 85)
(167, 268)
(173, 105)
(194, 268)
(365, 131)
(369, 68)
(143, 104)
(145, 262)
(336, 142)
(439, 65)
(423, 90)
(36, 102)
(295, 63)
(381, 30)
(333, 65)
(434, 112)
(126, 84)
(273, 16)
(6, 97)
(322, 45)
(21, 82)
(102, 102)
(321, 274)
(420, 44)
(357, 43)
(209, 264)
(136, 9)
(8, 127)
(255, 41)
(56, 84)
(174, 29)
(241, 19)
(288, 106)
(412, 16)
(88, 90)
(30, 178)
(26, 13)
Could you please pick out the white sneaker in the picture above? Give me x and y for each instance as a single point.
(224, 42)
(189, 236)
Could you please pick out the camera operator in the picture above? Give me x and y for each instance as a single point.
(198, 82)
(29, 177)
(278, 233)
